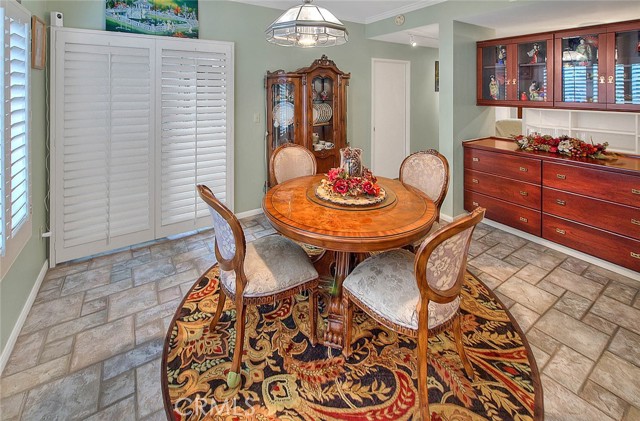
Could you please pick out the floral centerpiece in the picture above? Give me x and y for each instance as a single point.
(563, 145)
(340, 187)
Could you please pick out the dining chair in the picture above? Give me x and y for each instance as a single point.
(267, 269)
(426, 292)
(290, 161)
(428, 171)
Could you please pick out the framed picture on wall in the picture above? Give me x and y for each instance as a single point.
(437, 78)
(38, 43)
(172, 18)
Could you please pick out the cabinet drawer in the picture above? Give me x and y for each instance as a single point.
(523, 169)
(607, 185)
(609, 216)
(618, 249)
(519, 217)
(509, 190)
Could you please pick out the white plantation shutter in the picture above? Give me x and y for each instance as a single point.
(137, 122)
(105, 148)
(15, 185)
(196, 115)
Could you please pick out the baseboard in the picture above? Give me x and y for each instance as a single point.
(566, 250)
(446, 218)
(249, 213)
(8, 348)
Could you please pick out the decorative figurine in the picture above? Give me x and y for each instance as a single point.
(523, 96)
(583, 52)
(536, 54)
(314, 94)
(494, 88)
(534, 91)
(502, 54)
(324, 95)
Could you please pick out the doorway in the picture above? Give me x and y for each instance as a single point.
(390, 111)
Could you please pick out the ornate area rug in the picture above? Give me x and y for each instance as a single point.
(285, 378)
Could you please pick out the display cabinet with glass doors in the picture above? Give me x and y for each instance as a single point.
(308, 107)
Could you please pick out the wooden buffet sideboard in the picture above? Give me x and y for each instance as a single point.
(589, 205)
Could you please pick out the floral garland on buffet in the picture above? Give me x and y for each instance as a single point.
(563, 145)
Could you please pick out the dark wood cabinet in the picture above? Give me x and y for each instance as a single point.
(589, 205)
(308, 107)
(597, 68)
(516, 71)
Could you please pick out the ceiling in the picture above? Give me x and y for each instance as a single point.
(526, 18)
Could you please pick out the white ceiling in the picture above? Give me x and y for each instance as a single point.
(527, 17)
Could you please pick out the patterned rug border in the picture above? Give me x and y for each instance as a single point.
(537, 384)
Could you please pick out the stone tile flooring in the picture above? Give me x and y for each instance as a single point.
(91, 345)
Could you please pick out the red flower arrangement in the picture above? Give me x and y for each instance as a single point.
(563, 145)
(338, 181)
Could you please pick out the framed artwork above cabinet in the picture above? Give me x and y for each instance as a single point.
(585, 68)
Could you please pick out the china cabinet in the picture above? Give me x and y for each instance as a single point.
(308, 107)
(516, 71)
(594, 68)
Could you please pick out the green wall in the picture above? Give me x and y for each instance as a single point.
(18, 282)
(243, 25)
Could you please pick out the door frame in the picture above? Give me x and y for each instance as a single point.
(407, 67)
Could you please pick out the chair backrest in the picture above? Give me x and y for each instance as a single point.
(427, 171)
(230, 242)
(290, 161)
(441, 260)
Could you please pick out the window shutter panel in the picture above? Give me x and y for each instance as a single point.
(106, 151)
(194, 134)
(16, 150)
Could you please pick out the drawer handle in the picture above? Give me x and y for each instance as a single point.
(475, 159)
(474, 180)
(559, 231)
(602, 79)
(524, 169)
(635, 255)
(635, 191)
(610, 79)
(561, 176)
(635, 221)
(523, 219)
(475, 203)
(561, 202)
(524, 193)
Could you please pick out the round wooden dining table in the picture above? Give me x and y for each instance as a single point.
(402, 218)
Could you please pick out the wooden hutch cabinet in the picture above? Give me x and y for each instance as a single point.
(308, 107)
(586, 68)
(586, 204)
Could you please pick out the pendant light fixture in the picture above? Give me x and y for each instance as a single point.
(307, 26)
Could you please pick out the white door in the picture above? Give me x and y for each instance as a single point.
(390, 116)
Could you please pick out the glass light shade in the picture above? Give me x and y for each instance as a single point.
(307, 26)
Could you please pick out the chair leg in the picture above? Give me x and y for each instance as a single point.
(457, 333)
(423, 374)
(234, 377)
(313, 311)
(222, 298)
(347, 305)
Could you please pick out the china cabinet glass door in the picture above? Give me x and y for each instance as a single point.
(581, 60)
(534, 76)
(626, 72)
(283, 106)
(495, 75)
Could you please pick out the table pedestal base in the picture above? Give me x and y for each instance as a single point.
(335, 327)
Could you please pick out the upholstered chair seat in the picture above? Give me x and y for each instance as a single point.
(415, 295)
(272, 264)
(401, 307)
(263, 271)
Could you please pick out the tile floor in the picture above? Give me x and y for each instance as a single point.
(91, 345)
